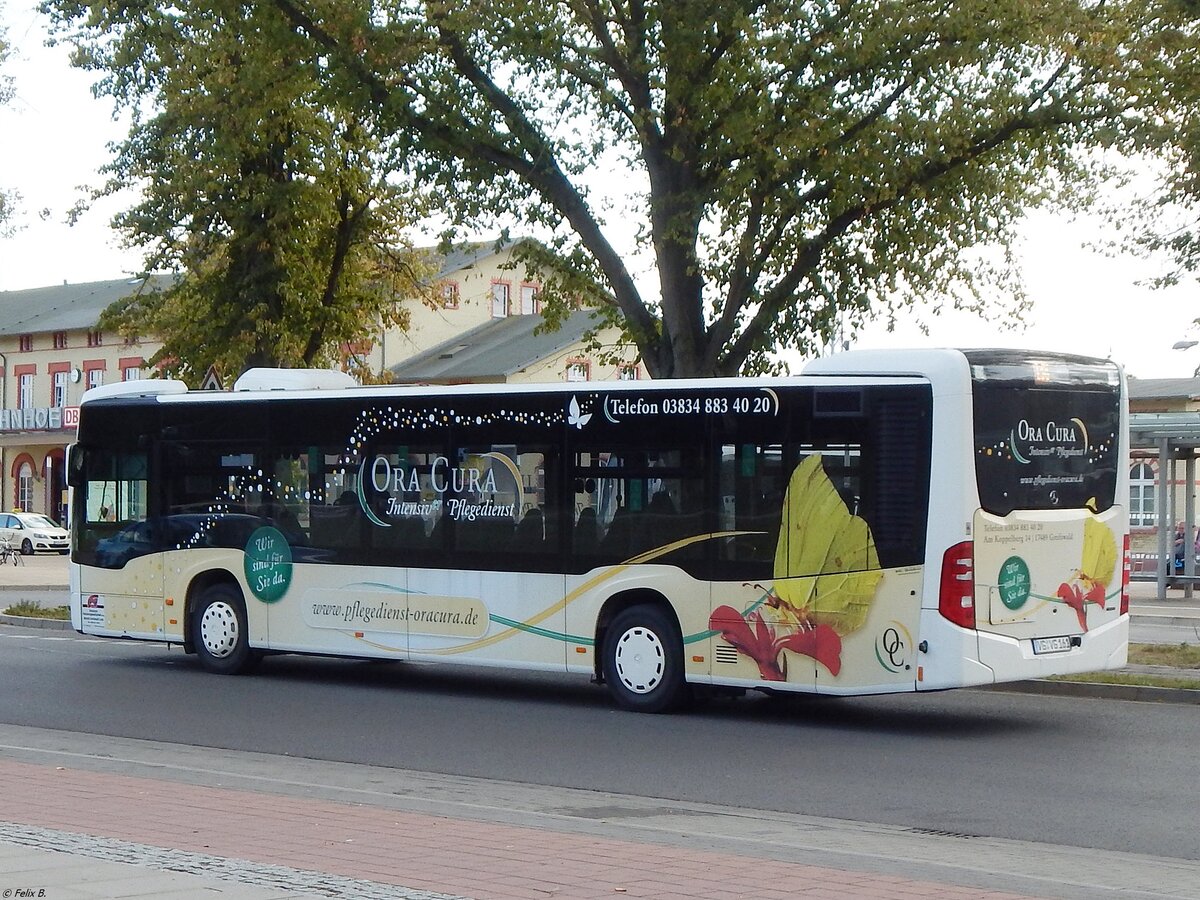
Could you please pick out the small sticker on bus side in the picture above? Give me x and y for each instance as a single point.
(93, 611)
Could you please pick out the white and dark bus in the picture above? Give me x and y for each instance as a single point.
(884, 522)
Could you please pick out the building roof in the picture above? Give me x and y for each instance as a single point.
(61, 307)
(494, 350)
(463, 256)
(65, 306)
(1164, 388)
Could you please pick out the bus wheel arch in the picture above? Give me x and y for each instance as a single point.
(641, 652)
(217, 627)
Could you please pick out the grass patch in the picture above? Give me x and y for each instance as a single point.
(1180, 656)
(1175, 656)
(33, 611)
(1131, 678)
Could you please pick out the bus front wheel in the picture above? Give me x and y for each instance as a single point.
(220, 633)
(643, 660)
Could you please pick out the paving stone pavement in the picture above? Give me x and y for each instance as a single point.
(85, 817)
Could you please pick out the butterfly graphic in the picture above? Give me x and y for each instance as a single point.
(574, 417)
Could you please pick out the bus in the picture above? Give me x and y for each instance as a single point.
(883, 522)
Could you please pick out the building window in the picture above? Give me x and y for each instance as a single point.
(450, 295)
(628, 372)
(25, 391)
(60, 340)
(499, 299)
(1141, 495)
(95, 378)
(59, 397)
(25, 488)
(579, 370)
(529, 300)
(131, 373)
(26, 343)
(95, 339)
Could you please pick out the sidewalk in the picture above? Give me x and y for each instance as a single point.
(95, 817)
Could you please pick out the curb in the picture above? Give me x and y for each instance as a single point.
(1174, 621)
(36, 622)
(1097, 691)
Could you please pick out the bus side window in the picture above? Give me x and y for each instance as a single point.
(111, 507)
(752, 483)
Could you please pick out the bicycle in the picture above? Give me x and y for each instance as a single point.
(9, 552)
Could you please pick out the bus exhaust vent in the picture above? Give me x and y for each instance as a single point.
(726, 653)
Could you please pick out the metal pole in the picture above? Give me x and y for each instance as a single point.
(1166, 528)
(1189, 518)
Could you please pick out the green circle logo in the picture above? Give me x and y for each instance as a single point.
(268, 564)
(1014, 582)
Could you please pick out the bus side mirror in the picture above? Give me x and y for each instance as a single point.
(75, 465)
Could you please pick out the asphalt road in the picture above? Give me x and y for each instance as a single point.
(1093, 773)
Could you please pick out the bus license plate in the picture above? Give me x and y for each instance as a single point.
(1051, 645)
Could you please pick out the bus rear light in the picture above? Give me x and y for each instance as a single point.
(956, 600)
(1126, 569)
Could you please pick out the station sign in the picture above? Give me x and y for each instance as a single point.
(41, 418)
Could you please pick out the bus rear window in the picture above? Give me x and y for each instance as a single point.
(1045, 446)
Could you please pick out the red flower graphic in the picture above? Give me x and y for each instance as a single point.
(764, 642)
(1074, 597)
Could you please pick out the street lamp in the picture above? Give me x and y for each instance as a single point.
(1187, 345)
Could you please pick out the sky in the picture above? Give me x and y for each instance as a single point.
(54, 137)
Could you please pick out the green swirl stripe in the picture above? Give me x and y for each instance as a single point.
(541, 632)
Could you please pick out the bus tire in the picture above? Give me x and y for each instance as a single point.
(220, 633)
(643, 660)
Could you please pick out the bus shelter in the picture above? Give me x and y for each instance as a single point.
(1174, 438)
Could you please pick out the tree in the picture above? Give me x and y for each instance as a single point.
(7, 198)
(791, 163)
(275, 205)
(1167, 223)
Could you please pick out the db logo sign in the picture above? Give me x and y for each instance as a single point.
(70, 417)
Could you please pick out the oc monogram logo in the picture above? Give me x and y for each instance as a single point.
(893, 648)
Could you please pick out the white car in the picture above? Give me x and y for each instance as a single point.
(33, 533)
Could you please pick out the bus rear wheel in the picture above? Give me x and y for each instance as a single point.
(643, 660)
(220, 633)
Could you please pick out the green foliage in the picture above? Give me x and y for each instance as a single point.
(1164, 221)
(1180, 656)
(7, 198)
(32, 610)
(793, 165)
(276, 204)
(1131, 679)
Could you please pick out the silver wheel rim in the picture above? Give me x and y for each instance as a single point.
(640, 660)
(219, 629)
